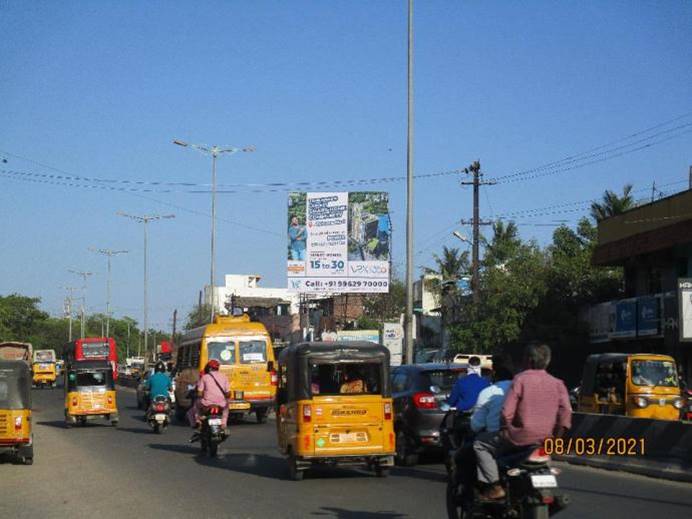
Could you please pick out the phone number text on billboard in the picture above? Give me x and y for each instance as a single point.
(343, 285)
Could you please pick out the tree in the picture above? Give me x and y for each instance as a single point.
(452, 265)
(611, 204)
(198, 316)
(503, 246)
(378, 308)
(19, 317)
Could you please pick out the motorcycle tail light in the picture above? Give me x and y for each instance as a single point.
(548, 500)
(18, 423)
(160, 407)
(214, 410)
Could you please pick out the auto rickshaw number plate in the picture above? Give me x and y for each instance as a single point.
(239, 405)
(354, 437)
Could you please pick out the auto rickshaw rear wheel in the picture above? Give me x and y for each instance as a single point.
(293, 472)
(27, 460)
(381, 471)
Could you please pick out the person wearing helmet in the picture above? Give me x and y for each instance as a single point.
(213, 389)
(159, 383)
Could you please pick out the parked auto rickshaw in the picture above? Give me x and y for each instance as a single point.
(44, 368)
(334, 406)
(15, 410)
(640, 385)
(89, 392)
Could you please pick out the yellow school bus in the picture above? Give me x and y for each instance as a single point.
(245, 353)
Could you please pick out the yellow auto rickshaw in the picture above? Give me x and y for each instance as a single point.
(640, 385)
(89, 392)
(15, 410)
(334, 406)
(44, 368)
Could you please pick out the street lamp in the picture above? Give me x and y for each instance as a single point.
(463, 238)
(110, 253)
(145, 219)
(214, 151)
(84, 275)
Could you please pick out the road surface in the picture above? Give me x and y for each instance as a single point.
(101, 472)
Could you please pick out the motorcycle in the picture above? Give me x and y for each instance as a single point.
(529, 482)
(212, 433)
(158, 415)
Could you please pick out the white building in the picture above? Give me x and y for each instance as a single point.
(246, 287)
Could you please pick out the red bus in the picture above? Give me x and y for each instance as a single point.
(93, 348)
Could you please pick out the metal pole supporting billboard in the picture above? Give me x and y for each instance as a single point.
(408, 328)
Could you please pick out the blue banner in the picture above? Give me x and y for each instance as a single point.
(625, 318)
(649, 316)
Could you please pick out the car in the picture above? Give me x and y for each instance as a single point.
(418, 390)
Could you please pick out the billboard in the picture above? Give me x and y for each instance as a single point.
(685, 299)
(338, 242)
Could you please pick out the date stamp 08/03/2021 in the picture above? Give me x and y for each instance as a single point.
(595, 446)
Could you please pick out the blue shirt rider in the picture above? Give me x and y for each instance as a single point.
(466, 389)
(159, 383)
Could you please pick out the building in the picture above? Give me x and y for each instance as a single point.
(653, 244)
(277, 308)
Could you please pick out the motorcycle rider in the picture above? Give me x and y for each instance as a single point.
(536, 407)
(159, 383)
(212, 389)
(485, 418)
(466, 389)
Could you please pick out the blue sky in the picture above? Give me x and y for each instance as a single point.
(100, 89)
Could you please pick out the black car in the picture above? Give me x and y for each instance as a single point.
(418, 390)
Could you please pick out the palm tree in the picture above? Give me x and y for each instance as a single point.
(504, 244)
(451, 265)
(612, 204)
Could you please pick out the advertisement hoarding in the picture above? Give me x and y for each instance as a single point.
(358, 335)
(625, 319)
(685, 306)
(649, 316)
(338, 242)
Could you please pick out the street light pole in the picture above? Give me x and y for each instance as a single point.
(408, 331)
(145, 219)
(70, 298)
(214, 151)
(109, 253)
(84, 275)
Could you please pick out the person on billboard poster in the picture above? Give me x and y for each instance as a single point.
(297, 235)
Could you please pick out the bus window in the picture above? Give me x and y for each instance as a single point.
(222, 350)
(253, 351)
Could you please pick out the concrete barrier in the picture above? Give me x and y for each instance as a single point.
(667, 445)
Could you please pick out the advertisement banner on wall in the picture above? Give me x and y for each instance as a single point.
(685, 308)
(625, 319)
(358, 335)
(393, 340)
(649, 316)
(338, 242)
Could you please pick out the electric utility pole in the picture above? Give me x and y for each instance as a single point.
(214, 151)
(408, 320)
(475, 170)
(68, 308)
(109, 253)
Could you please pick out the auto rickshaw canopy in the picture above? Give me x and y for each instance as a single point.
(295, 361)
(15, 384)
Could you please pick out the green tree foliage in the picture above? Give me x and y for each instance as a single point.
(378, 308)
(21, 319)
(450, 266)
(612, 204)
(198, 316)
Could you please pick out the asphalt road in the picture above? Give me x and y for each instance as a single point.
(102, 472)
